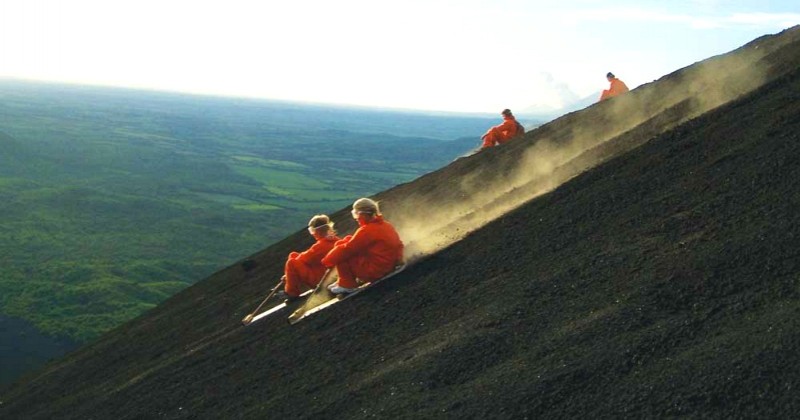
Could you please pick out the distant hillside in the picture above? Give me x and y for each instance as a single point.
(13, 155)
(547, 113)
(113, 200)
(633, 259)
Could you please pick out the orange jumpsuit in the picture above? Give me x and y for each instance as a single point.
(502, 133)
(369, 254)
(617, 87)
(306, 267)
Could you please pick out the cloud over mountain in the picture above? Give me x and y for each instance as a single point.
(632, 259)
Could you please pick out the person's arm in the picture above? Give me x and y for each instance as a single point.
(359, 242)
(509, 127)
(499, 129)
(312, 255)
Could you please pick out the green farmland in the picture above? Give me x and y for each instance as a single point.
(113, 200)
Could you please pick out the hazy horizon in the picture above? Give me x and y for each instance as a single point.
(471, 56)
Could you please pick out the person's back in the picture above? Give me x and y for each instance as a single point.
(381, 242)
(504, 132)
(369, 254)
(617, 87)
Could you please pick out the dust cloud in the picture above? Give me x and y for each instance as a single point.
(435, 218)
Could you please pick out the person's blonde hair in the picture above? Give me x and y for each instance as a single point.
(320, 222)
(366, 205)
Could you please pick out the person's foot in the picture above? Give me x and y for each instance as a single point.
(286, 297)
(339, 290)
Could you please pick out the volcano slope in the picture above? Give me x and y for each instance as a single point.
(664, 281)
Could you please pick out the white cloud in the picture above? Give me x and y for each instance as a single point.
(640, 15)
(774, 20)
(467, 55)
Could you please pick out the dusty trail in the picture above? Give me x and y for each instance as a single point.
(662, 282)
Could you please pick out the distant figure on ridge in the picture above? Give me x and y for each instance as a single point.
(305, 268)
(504, 132)
(617, 87)
(372, 252)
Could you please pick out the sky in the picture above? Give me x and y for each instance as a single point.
(440, 55)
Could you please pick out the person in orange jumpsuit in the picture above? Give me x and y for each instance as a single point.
(617, 87)
(502, 133)
(373, 251)
(305, 269)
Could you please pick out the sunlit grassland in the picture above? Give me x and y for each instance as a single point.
(256, 207)
(270, 163)
(287, 180)
(112, 201)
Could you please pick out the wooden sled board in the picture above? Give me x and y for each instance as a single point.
(297, 317)
(275, 309)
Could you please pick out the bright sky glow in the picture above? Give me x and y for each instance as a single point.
(459, 55)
